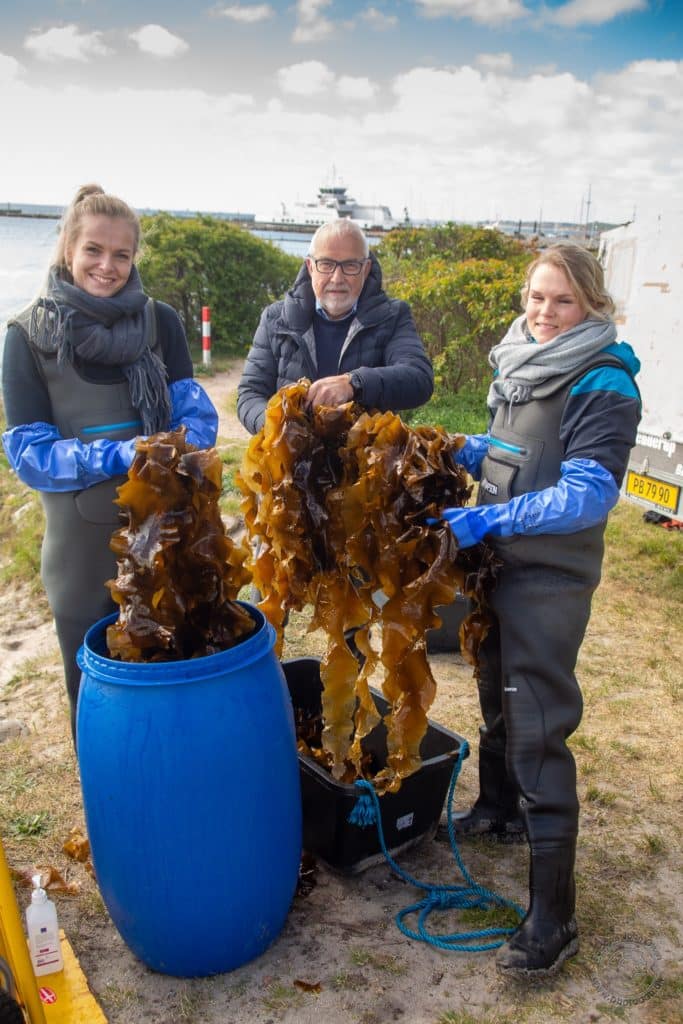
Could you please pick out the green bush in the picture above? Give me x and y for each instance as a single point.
(453, 242)
(203, 261)
(463, 286)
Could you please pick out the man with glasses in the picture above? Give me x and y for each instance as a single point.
(337, 327)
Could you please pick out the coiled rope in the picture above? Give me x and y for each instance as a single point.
(366, 812)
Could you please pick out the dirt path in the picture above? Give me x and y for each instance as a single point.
(222, 390)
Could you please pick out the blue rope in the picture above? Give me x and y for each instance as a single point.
(366, 811)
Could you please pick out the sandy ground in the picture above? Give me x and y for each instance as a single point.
(340, 957)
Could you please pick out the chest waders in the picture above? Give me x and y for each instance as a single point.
(75, 558)
(529, 696)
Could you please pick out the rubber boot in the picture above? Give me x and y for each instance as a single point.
(548, 934)
(495, 814)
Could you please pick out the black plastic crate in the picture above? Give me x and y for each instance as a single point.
(408, 817)
(446, 637)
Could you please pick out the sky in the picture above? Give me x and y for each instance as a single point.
(452, 109)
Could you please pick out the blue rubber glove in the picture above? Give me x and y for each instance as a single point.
(191, 406)
(582, 497)
(472, 453)
(46, 461)
(467, 524)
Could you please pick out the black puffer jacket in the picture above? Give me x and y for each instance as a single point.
(382, 344)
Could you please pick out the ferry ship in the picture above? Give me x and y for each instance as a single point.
(332, 203)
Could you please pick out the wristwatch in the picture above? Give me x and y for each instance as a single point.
(356, 382)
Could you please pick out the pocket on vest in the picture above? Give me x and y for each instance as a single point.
(96, 504)
(496, 482)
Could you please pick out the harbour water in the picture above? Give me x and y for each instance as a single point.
(26, 244)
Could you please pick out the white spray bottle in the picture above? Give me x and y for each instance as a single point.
(43, 932)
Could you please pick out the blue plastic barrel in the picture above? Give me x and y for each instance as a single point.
(190, 781)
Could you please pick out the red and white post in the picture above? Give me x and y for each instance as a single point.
(206, 336)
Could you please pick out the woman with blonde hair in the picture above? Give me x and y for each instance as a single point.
(564, 410)
(88, 367)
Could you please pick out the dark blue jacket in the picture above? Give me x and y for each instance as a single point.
(382, 344)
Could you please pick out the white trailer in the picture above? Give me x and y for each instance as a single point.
(644, 273)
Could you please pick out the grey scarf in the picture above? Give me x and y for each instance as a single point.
(70, 322)
(522, 363)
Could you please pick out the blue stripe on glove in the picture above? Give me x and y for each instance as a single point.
(45, 461)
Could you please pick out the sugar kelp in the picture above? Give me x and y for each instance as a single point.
(179, 573)
(336, 501)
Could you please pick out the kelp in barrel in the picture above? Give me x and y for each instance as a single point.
(336, 501)
(178, 572)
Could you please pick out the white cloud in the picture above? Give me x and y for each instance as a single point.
(449, 143)
(158, 41)
(10, 68)
(522, 140)
(312, 77)
(305, 79)
(486, 12)
(66, 43)
(311, 26)
(592, 12)
(495, 61)
(248, 14)
(378, 20)
(355, 88)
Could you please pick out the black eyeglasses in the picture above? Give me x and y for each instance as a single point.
(351, 268)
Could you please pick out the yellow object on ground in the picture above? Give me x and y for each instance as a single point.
(73, 1002)
(61, 998)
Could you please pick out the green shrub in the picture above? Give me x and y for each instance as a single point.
(202, 261)
(463, 286)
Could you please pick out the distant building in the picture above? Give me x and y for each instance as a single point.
(546, 232)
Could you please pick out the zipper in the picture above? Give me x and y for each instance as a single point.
(299, 340)
(507, 447)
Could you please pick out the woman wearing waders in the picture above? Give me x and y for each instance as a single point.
(88, 367)
(564, 410)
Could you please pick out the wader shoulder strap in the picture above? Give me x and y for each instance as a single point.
(151, 324)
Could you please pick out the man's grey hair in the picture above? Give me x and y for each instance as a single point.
(340, 228)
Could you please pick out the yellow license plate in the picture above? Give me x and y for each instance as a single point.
(650, 489)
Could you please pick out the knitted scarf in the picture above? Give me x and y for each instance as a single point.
(522, 363)
(108, 332)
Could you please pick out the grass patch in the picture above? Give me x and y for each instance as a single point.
(92, 906)
(29, 825)
(189, 1003)
(458, 1017)
(281, 998)
(600, 796)
(231, 457)
(360, 957)
(654, 844)
(496, 917)
(17, 780)
(641, 555)
(461, 413)
(21, 530)
(219, 364)
(352, 981)
(120, 997)
(378, 961)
